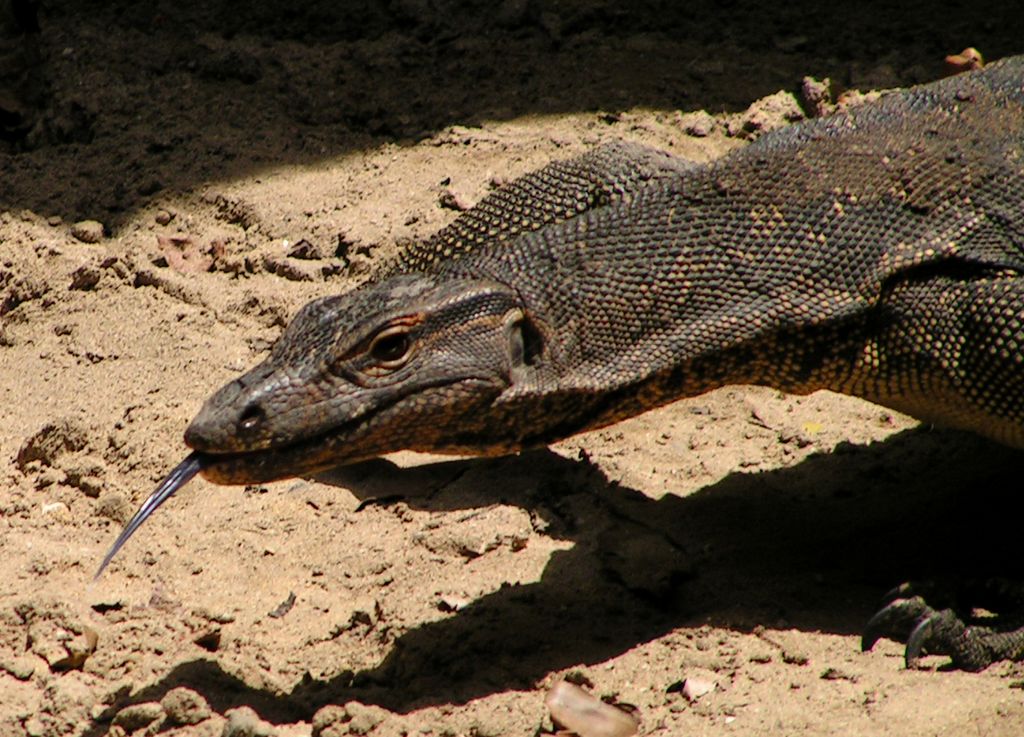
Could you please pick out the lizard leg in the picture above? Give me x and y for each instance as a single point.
(927, 630)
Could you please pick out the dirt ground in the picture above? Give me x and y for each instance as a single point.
(243, 158)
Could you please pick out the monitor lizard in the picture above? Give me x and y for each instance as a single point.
(877, 252)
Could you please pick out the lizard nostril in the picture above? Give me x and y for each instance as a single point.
(251, 419)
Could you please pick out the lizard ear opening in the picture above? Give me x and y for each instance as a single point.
(525, 342)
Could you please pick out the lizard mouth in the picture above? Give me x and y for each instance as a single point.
(247, 467)
(337, 446)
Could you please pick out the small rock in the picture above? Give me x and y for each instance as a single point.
(817, 96)
(967, 60)
(86, 473)
(243, 721)
(694, 688)
(795, 657)
(292, 269)
(78, 650)
(137, 716)
(59, 510)
(452, 200)
(284, 607)
(212, 616)
(308, 251)
(163, 217)
(586, 715)
(767, 114)
(353, 718)
(52, 441)
(114, 506)
(329, 720)
(21, 668)
(836, 674)
(184, 255)
(184, 706)
(852, 98)
(45, 476)
(88, 231)
(699, 124)
(363, 718)
(34, 727)
(453, 602)
(63, 644)
(85, 277)
(646, 563)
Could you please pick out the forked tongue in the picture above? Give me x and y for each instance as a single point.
(177, 478)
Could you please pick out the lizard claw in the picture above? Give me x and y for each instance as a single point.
(894, 619)
(920, 636)
(940, 632)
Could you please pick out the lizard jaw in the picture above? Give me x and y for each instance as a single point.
(339, 446)
(232, 468)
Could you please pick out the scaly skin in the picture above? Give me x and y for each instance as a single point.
(878, 252)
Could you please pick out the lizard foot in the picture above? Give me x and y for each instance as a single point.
(972, 647)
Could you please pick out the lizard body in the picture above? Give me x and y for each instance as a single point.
(877, 252)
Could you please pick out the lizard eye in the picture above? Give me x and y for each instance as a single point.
(391, 347)
(251, 420)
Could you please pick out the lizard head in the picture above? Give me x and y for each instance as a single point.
(407, 363)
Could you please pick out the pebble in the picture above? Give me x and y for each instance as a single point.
(586, 715)
(352, 718)
(362, 718)
(699, 124)
(817, 96)
(767, 114)
(329, 721)
(52, 441)
(292, 269)
(59, 509)
(21, 668)
(114, 506)
(694, 688)
(85, 277)
(452, 200)
(453, 602)
(308, 250)
(137, 716)
(88, 231)
(243, 721)
(87, 474)
(967, 60)
(184, 706)
(62, 644)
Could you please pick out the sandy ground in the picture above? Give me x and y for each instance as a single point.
(243, 159)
